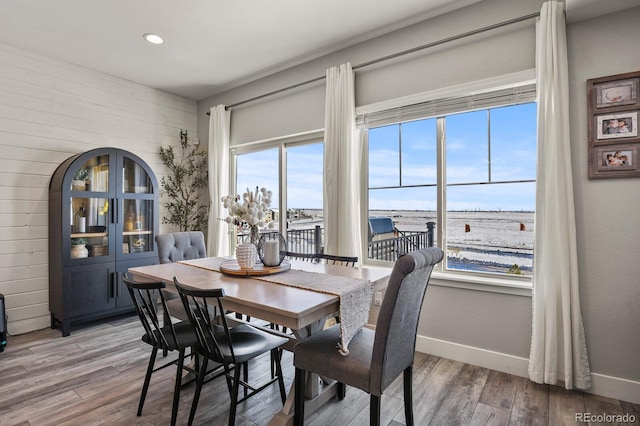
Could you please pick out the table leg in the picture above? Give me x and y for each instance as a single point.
(316, 395)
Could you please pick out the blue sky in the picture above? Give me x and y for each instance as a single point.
(513, 157)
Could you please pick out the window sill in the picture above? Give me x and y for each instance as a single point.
(513, 286)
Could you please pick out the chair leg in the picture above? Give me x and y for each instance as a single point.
(408, 395)
(298, 414)
(245, 377)
(374, 410)
(275, 355)
(176, 389)
(234, 396)
(147, 379)
(341, 391)
(196, 396)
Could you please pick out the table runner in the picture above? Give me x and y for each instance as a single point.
(355, 294)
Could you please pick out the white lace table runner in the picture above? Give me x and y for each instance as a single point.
(355, 294)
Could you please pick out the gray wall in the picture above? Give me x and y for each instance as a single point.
(607, 211)
(607, 216)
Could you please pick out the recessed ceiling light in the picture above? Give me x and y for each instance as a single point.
(153, 38)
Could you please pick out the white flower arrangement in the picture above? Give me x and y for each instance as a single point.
(251, 212)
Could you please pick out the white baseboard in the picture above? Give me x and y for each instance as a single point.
(611, 387)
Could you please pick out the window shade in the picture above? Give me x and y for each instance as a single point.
(449, 105)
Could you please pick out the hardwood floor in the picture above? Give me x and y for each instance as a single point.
(95, 375)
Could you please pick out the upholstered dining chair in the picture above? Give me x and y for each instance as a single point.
(377, 357)
(174, 247)
(160, 334)
(231, 347)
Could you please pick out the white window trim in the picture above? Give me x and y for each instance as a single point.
(520, 286)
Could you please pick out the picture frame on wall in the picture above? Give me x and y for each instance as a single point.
(617, 158)
(623, 92)
(613, 104)
(615, 126)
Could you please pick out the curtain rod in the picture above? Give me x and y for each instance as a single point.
(393, 56)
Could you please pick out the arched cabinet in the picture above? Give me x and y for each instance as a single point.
(103, 218)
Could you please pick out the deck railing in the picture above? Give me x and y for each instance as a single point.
(311, 241)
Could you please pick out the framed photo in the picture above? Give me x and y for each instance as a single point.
(622, 92)
(613, 104)
(614, 126)
(617, 157)
(616, 161)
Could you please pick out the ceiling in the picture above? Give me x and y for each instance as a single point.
(210, 45)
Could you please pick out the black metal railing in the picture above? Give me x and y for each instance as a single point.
(298, 240)
(311, 241)
(390, 249)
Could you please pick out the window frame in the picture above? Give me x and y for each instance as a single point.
(281, 144)
(509, 284)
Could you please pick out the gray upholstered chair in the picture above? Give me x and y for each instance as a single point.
(176, 246)
(377, 357)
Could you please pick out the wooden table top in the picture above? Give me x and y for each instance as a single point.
(291, 307)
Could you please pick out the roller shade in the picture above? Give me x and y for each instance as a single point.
(449, 105)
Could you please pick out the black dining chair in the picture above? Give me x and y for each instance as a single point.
(161, 335)
(307, 257)
(231, 347)
(333, 259)
(377, 357)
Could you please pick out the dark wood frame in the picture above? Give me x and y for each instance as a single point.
(599, 108)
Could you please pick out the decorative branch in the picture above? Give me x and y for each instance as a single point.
(188, 175)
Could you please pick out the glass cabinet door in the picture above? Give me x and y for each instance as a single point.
(137, 230)
(89, 210)
(89, 227)
(137, 208)
(93, 175)
(135, 178)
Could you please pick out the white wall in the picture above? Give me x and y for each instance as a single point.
(494, 329)
(50, 110)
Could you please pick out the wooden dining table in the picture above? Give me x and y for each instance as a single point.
(302, 311)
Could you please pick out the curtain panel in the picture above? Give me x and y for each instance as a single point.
(219, 126)
(558, 348)
(342, 155)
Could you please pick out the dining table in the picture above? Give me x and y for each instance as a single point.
(301, 310)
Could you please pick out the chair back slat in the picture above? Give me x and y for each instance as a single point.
(397, 326)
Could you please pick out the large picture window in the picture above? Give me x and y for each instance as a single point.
(292, 169)
(475, 171)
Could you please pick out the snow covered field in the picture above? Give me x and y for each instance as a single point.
(488, 241)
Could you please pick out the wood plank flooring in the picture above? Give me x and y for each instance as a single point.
(94, 377)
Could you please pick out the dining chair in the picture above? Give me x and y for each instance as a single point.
(333, 259)
(377, 357)
(160, 334)
(307, 257)
(174, 247)
(231, 347)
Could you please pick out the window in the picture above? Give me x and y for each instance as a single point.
(292, 169)
(474, 171)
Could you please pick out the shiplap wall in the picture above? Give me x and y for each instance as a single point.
(50, 110)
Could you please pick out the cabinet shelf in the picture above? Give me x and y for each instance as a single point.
(89, 234)
(140, 232)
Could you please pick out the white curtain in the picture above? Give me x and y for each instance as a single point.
(558, 348)
(219, 126)
(342, 154)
